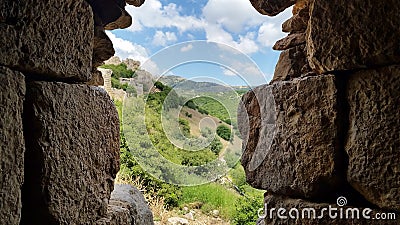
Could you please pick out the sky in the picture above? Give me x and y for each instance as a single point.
(226, 40)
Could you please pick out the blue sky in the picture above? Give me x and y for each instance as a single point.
(159, 24)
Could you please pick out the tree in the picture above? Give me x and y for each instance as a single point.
(224, 132)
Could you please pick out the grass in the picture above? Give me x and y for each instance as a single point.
(212, 196)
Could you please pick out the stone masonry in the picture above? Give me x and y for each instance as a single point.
(59, 136)
(328, 124)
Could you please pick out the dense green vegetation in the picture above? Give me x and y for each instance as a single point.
(144, 137)
(225, 132)
(120, 71)
(212, 196)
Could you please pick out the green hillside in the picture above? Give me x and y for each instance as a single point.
(158, 130)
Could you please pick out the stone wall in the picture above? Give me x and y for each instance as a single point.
(59, 136)
(328, 124)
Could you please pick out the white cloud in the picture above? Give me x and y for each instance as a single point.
(234, 15)
(268, 34)
(152, 14)
(228, 72)
(187, 48)
(161, 38)
(232, 22)
(126, 49)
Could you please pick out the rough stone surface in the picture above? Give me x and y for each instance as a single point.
(12, 92)
(292, 40)
(36, 40)
(374, 135)
(124, 21)
(292, 63)
(271, 7)
(136, 3)
(72, 155)
(297, 23)
(103, 47)
(132, 64)
(130, 198)
(97, 79)
(116, 215)
(111, 14)
(300, 4)
(293, 147)
(115, 60)
(366, 34)
(275, 201)
(145, 78)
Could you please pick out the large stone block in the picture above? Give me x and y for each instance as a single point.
(291, 137)
(130, 198)
(12, 92)
(346, 35)
(51, 39)
(72, 134)
(116, 215)
(303, 212)
(292, 63)
(373, 142)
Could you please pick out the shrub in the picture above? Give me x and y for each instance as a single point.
(247, 211)
(224, 132)
(120, 70)
(216, 146)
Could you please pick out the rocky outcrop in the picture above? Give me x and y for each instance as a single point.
(132, 64)
(293, 60)
(116, 215)
(374, 135)
(292, 63)
(58, 130)
(130, 198)
(39, 39)
(287, 157)
(271, 7)
(12, 92)
(364, 35)
(292, 40)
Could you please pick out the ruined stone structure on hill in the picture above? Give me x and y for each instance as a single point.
(328, 124)
(59, 136)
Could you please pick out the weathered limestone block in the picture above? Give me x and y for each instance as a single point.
(111, 14)
(292, 40)
(297, 23)
(293, 146)
(103, 47)
(50, 38)
(271, 7)
(72, 155)
(292, 63)
(373, 142)
(350, 215)
(130, 198)
(116, 215)
(12, 92)
(346, 35)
